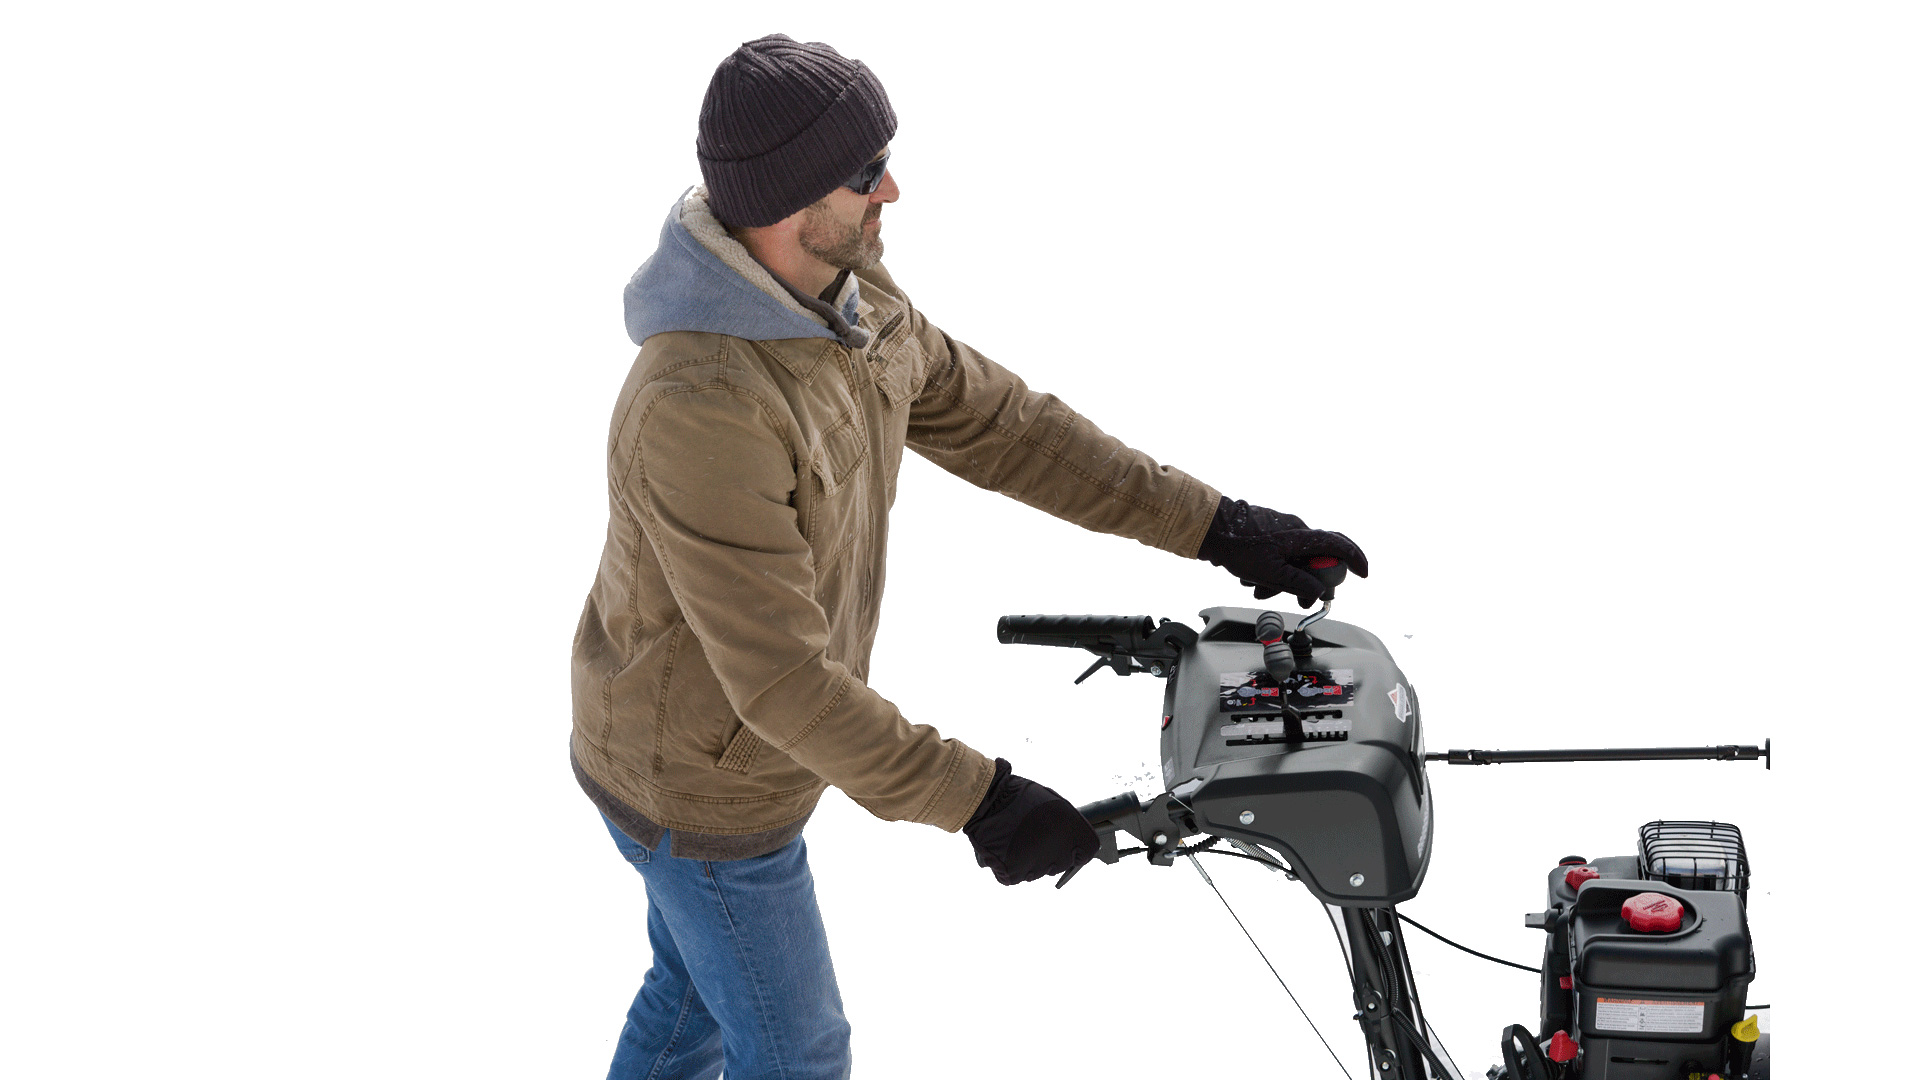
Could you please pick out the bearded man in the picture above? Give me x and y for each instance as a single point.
(720, 666)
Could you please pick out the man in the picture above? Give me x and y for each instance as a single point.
(720, 666)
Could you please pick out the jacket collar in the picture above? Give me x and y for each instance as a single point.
(701, 279)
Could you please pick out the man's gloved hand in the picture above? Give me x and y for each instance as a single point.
(1025, 830)
(1268, 550)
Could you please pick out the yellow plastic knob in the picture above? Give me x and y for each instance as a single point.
(1748, 1030)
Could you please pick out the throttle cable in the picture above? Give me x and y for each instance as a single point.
(1208, 878)
(1410, 920)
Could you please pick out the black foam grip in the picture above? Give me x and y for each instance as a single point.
(1076, 631)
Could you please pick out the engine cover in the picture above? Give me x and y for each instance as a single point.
(1651, 1003)
(1648, 1004)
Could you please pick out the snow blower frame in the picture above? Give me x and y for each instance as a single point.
(1297, 742)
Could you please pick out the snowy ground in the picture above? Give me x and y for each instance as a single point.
(1594, 325)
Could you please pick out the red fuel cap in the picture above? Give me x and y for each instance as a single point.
(1580, 874)
(1562, 1049)
(1652, 913)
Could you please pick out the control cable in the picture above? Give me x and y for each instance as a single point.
(1204, 876)
(1413, 1032)
(1340, 938)
(1420, 1010)
(1435, 1034)
(1420, 1033)
(1408, 919)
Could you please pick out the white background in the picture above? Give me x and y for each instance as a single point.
(1592, 323)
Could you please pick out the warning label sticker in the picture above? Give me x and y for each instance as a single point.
(1633, 1014)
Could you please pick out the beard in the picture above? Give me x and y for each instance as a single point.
(838, 244)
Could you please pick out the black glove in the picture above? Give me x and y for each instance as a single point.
(1268, 550)
(1025, 830)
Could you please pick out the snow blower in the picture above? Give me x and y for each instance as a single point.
(1297, 742)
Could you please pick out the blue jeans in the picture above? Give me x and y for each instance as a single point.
(741, 976)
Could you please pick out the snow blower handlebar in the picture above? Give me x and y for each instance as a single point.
(1125, 643)
(1159, 824)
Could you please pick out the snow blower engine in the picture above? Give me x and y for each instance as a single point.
(1297, 742)
(1647, 962)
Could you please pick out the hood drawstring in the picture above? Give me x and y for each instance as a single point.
(853, 337)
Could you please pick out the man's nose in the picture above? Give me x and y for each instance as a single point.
(888, 191)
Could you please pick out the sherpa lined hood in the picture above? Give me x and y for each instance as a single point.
(702, 279)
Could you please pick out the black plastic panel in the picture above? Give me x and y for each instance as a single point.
(1344, 806)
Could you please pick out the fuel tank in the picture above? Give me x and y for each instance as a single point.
(1339, 789)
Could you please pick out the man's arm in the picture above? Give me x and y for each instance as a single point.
(980, 422)
(710, 482)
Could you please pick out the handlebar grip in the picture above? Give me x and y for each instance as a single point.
(1102, 632)
(1109, 812)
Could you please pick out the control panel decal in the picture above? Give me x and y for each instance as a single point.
(1243, 690)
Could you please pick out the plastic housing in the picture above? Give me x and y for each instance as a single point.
(1353, 816)
(1639, 993)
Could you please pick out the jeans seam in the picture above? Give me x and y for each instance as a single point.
(762, 1014)
(679, 1029)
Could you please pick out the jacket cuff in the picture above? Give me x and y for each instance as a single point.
(968, 778)
(1195, 509)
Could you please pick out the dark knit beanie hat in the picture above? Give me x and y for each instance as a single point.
(783, 124)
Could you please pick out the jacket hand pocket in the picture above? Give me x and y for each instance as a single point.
(741, 749)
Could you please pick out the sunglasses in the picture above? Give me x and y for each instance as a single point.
(867, 180)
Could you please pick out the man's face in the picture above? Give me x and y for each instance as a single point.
(843, 229)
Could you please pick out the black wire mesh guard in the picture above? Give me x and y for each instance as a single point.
(1707, 855)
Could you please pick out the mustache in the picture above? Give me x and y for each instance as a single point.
(873, 214)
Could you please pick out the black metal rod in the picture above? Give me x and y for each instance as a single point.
(1728, 752)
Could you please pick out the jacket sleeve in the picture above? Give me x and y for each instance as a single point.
(980, 422)
(711, 480)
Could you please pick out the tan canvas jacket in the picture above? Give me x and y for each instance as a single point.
(720, 666)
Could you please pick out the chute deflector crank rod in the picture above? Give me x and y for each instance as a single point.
(1728, 752)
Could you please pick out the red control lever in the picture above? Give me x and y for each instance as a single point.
(1562, 1049)
(1329, 570)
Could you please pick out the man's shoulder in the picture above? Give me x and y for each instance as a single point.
(684, 358)
(696, 353)
(686, 377)
(676, 358)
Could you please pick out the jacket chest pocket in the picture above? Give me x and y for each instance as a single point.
(836, 467)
